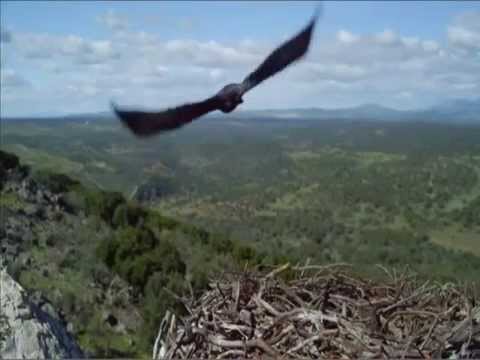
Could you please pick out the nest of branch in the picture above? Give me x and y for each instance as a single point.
(322, 312)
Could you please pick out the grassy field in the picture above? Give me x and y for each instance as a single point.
(399, 195)
(457, 238)
(280, 183)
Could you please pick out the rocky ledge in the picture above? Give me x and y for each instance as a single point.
(30, 331)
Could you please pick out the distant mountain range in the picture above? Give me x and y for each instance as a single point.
(452, 111)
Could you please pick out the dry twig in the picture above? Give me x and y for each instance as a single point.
(321, 313)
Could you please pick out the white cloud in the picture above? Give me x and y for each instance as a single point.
(76, 48)
(386, 37)
(72, 45)
(86, 90)
(346, 36)
(139, 67)
(430, 45)
(465, 31)
(11, 79)
(410, 41)
(209, 53)
(466, 86)
(186, 24)
(216, 73)
(405, 95)
(332, 72)
(464, 37)
(5, 36)
(113, 21)
(51, 67)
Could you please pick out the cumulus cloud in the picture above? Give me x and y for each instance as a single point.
(5, 36)
(405, 95)
(113, 21)
(10, 79)
(465, 31)
(345, 68)
(345, 36)
(410, 41)
(187, 23)
(386, 37)
(208, 54)
(78, 49)
(430, 46)
(332, 72)
(51, 67)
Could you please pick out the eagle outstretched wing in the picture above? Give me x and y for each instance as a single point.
(284, 55)
(143, 123)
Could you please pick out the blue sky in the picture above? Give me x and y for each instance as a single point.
(67, 57)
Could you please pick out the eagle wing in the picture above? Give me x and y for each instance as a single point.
(144, 124)
(284, 55)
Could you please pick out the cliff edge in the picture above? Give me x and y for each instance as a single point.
(30, 331)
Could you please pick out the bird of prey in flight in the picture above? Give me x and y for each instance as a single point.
(144, 124)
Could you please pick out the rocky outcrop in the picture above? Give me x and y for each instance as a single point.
(31, 204)
(28, 331)
(44, 233)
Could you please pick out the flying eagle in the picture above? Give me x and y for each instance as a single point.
(145, 124)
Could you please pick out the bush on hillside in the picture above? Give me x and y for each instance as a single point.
(55, 182)
(102, 203)
(127, 214)
(8, 160)
(136, 254)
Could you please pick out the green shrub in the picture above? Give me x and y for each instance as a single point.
(102, 203)
(120, 216)
(3, 175)
(157, 222)
(244, 253)
(127, 214)
(57, 183)
(107, 250)
(8, 160)
(221, 244)
(135, 254)
(157, 301)
(73, 201)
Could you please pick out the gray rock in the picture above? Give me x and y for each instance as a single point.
(27, 189)
(25, 260)
(51, 240)
(37, 298)
(56, 296)
(109, 318)
(31, 210)
(14, 235)
(49, 195)
(40, 197)
(26, 331)
(12, 222)
(27, 237)
(41, 213)
(48, 309)
(10, 250)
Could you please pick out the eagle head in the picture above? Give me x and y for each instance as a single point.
(230, 97)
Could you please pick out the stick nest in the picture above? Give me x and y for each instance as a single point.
(314, 312)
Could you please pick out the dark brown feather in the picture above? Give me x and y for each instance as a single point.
(284, 55)
(143, 123)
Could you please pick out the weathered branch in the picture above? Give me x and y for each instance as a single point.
(321, 313)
